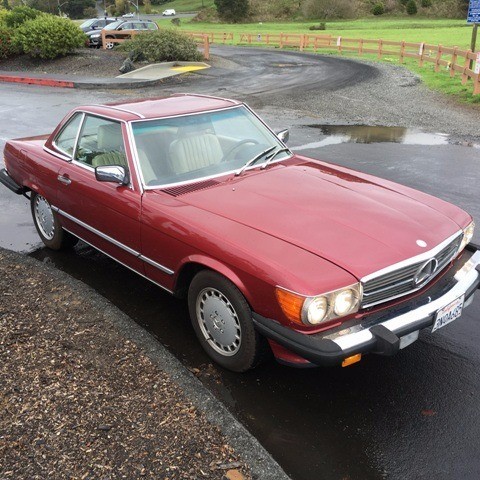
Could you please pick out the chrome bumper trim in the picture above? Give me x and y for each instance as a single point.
(358, 339)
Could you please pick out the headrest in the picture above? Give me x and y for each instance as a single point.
(109, 137)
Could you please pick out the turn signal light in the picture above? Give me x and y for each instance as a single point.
(353, 359)
(291, 305)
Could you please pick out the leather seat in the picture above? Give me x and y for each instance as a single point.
(110, 141)
(110, 138)
(110, 158)
(193, 152)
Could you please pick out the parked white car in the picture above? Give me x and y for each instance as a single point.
(169, 12)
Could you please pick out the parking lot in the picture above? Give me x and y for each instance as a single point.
(410, 416)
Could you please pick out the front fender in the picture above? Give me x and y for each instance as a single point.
(215, 265)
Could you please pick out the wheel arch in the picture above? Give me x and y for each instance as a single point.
(194, 264)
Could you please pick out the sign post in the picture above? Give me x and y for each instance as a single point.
(474, 17)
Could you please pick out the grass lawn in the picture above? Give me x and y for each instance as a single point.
(436, 31)
(445, 31)
(183, 5)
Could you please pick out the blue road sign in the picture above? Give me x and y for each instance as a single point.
(474, 11)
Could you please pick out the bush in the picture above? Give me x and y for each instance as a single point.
(49, 37)
(176, 22)
(378, 9)
(19, 15)
(233, 11)
(7, 45)
(411, 7)
(320, 26)
(426, 3)
(162, 46)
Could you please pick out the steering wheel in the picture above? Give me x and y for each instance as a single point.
(234, 148)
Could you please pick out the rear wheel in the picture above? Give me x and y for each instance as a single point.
(109, 44)
(222, 320)
(48, 226)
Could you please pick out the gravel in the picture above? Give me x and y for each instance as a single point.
(88, 62)
(394, 97)
(327, 89)
(81, 399)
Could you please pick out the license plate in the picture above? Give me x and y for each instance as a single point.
(448, 313)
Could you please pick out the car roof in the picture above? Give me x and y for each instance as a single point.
(178, 104)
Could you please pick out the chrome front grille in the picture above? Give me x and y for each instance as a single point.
(398, 282)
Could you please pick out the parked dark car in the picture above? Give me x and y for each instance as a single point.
(95, 36)
(96, 23)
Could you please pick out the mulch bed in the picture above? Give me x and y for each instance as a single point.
(86, 62)
(79, 401)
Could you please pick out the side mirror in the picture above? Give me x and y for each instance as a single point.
(112, 173)
(283, 135)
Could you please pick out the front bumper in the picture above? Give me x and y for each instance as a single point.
(380, 332)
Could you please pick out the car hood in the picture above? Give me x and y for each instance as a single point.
(357, 223)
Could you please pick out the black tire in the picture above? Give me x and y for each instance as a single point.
(208, 291)
(48, 226)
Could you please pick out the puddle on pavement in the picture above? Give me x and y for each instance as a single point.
(336, 134)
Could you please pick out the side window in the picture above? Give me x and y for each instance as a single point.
(126, 26)
(101, 23)
(65, 140)
(100, 143)
(151, 26)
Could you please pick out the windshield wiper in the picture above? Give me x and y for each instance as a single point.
(254, 159)
(271, 157)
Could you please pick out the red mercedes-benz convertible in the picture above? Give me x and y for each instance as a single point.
(320, 263)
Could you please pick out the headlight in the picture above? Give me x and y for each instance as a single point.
(344, 301)
(316, 309)
(320, 308)
(467, 235)
(97, 35)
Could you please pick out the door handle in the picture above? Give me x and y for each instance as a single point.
(63, 179)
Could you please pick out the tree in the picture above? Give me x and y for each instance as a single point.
(233, 11)
(75, 8)
(411, 7)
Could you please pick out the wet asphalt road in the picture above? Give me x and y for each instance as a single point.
(412, 416)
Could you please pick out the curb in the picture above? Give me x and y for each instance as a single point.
(86, 84)
(261, 463)
(47, 82)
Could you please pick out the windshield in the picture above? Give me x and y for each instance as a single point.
(87, 23)
(192, 147)
(114, 25)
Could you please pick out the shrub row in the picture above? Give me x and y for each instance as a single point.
(37, 34)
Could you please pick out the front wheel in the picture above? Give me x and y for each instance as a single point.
(48, 226)
(222, 320)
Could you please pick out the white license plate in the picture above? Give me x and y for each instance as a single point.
(448, 313)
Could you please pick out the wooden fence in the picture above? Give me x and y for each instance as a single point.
(454, 59)
(119, 36)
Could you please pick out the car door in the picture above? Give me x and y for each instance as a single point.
(104, 214)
